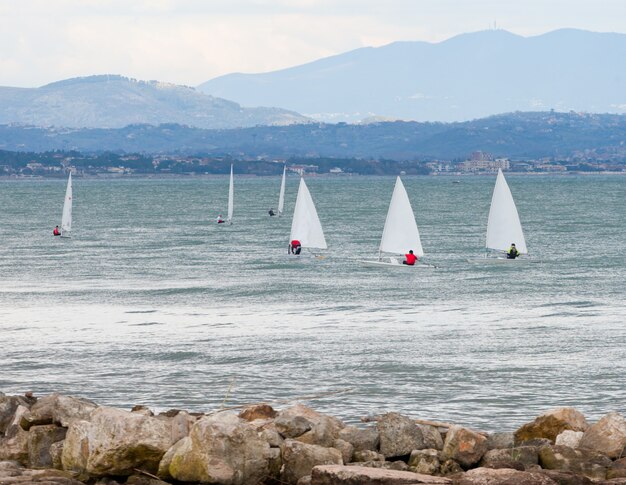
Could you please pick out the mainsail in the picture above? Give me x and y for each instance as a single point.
(231, 196)
(400, 233)
(281, 197)
(66, 219)
(503, 226)
(306, 226)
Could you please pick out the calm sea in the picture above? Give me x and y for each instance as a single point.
(153, 303)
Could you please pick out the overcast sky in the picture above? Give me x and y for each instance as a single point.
(191, 41)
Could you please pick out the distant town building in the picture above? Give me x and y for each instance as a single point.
(484, 165)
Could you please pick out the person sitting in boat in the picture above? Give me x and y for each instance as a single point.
(410, 258)
(295, 247)
(512, 253)
(56, 231)
(271, 212)
(220, 220)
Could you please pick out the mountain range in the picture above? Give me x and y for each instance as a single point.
(466, 77)
(111, 101)
(515, 135)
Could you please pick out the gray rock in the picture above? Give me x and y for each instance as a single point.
(116, 442)
(586, 462)
(569, 438)
(323, 432)
(607, 436)
(525, 455)
(425, 461)
(14, 445)
(566, 478)
(367, 455)
(361, 439)
(300, 458)
(432, 437)
(450, 467)
(464, 446)
(58, 409)
(221, 449)
(8, 406)
(496, 441)
(296, 420)
(40, 439)
(503, 476)
(347, 450)
(399, 435)
(56, 454)
(358, 475)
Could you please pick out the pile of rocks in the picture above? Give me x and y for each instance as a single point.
(65, 440)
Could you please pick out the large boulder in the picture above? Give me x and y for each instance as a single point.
(464, 446)
(607, 436)
(14, 445)
(425, 461)
(567, 478)
(347, 450)
(524, 455)
(399, 435)
(116, 442)
(296, 420)
(220, 449)
(361, 438)
(550, 424)
(58, 409)
(503, 476)
(432, 437)
(497, 441)
(569, 438)
(40, 439)
(617, 469)
(586, 462)
(323, 433)
(8, 406)
(358, 475)
(300, 458)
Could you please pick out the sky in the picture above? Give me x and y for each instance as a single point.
(191, 41)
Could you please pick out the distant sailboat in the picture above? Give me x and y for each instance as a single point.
(400, 234)
(503, 226)
(306, 226)
(66, 219)
(231, 197)
(281, 196)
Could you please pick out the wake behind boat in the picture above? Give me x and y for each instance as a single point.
(504, 229)
(400, 234)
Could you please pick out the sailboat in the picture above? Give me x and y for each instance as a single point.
(503, 226)
(231, 197)
(400, 234)
(281, 196)
(66, 218)
(306, 226)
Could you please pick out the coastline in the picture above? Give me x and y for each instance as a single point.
(59, 439)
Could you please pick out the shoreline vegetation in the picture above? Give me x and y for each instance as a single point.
(57, 439)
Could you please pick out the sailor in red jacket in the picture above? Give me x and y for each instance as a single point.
(56, 232)
(295, 247)
(410, 258)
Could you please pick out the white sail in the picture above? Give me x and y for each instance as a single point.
(231, 196)
(504, 227)
(281, 197)
(306, 226)
(66, 219)
(400, 233)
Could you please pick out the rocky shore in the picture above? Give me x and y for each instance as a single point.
(63, 440)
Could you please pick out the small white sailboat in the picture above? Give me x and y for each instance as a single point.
(231, 197)
(400, 234)
(503, 226)
(66, 218)
(281, 196)
(306, 226)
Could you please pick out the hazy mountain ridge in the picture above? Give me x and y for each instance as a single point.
(108, 101)
(515, 135)
(466, 77)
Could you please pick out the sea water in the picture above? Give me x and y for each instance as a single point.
(151, 302)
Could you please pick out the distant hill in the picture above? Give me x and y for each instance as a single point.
(515, 135)
(466, 77)
(115, 101)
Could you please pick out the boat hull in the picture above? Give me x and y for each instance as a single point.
(387, 264)
(496, 261)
